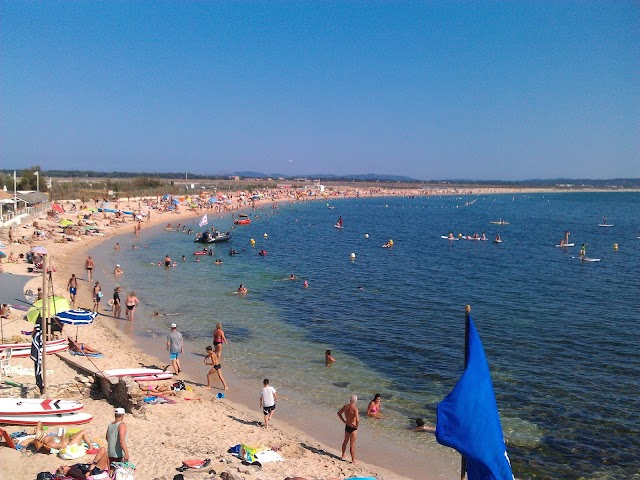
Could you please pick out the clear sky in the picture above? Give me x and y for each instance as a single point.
(431, 90)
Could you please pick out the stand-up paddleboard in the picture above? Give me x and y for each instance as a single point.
(153, 378)
(338, 226)
(36, 406)
(605, 225)
(588, 259)
(28, 344)
(26, 351)
(447, 238)
(566, 245)
(73, 418)
(497, 241)
(131, 372)
(500, 222)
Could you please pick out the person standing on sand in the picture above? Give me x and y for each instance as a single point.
(73, 289)
(268, 399)
(214, 361)
(175, 345)
(116, 439)
(218, 339)
(131, 302)
(97, 296)
(116, 302)
(351, 420)
(89, 265)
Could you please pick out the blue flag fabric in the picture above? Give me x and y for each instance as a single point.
(468, 419)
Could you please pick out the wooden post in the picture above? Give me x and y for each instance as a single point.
(43, 322)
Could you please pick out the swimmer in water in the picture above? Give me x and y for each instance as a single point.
(242, 290)
(184, 258)
(421, 427)
(305, 284)
(328, 359)
(292, 277)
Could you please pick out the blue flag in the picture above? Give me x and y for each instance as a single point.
(468, 419)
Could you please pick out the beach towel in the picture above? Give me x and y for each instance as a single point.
(267, 456)
(194, 463)
(249, 453)
(83, 354)
(71, 452)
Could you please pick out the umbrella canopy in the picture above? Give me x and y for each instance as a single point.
(2, 254)
(39, 249)
(65, 222)
(55, 305)
(77, 317)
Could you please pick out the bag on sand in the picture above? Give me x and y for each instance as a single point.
(45, 476)
(123, 471)
(179, 385)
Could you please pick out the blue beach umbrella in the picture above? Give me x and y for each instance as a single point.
(77, 317)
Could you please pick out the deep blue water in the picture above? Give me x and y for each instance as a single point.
(561, 336)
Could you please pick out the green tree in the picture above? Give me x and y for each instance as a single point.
(29, 180)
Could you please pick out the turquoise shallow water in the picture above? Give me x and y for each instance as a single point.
(560, 335)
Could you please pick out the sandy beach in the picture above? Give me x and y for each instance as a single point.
(160, 436)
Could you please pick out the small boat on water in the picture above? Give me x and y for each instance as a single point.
(213, 237)
(242, 219)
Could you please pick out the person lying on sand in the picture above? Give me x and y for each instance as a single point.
(155, 389)
(85, 470)
(47, 442)
(80, 347)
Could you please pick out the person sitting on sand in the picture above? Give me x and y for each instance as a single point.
(328, 359)
(48, 442)
(421, 427)
(5, 311)
(99, 464)
(81, 347)
(373, 410)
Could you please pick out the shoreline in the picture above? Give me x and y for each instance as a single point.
(121, 341)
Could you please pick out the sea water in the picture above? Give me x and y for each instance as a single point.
(561, 335)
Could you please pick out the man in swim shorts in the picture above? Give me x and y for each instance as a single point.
(268, 399)
(73, 289)
(89, 265)
(351, 418)
(175, 345)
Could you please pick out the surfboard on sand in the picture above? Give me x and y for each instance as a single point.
(73, 418)
(152, 378)
(132, 372)
(37, 406)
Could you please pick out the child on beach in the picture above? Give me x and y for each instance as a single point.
(214, 361)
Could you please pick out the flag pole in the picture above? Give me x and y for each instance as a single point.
(467, 309)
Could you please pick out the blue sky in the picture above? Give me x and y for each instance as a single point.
(431, 90)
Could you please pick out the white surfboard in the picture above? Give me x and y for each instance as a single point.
(588, 259)
(604, 225)
(26, 351)
(36, 406)
(73, 418)
(28, 344)
(131, 372)
(447, 238)
(566, 245)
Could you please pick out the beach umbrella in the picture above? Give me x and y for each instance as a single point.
(2, 254)
(77, 317)
(55, 305)
(40, 250)
(65, 222)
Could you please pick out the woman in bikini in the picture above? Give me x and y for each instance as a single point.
(219, 339)
(131, 302)
(373, 410)
(42, 440)
(80, 347)
(213, 360)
